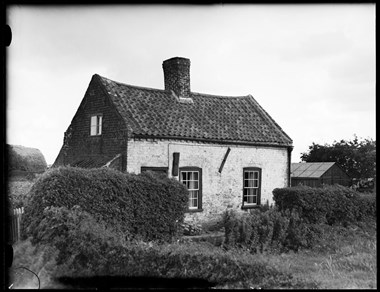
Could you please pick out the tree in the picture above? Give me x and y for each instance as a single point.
(357, 158)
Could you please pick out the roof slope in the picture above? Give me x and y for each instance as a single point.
(158, 113)
(310, 169)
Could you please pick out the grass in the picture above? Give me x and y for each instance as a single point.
(347, 260)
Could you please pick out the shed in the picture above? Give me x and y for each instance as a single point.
(315, 174)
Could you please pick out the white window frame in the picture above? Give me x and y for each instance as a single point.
(195, 193)
(251, 185)
(96, 125)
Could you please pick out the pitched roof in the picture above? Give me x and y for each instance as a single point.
(92, 162)
(159, 113)
(310, 169)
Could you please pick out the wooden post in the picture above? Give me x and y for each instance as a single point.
(224, 160)
(175, 169)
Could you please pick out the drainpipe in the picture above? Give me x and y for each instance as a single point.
(290, 149)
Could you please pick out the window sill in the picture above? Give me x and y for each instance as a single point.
(250, 207)
(194, 210)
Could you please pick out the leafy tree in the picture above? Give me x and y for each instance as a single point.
(356, 157)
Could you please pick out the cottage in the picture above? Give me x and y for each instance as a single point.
(316, 174)
(227, 150)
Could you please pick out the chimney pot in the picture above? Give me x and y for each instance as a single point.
(177, 75)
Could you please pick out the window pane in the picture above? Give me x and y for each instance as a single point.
(193, 199)
(256, 183)
(93, 125)
(196, 175)
(183, 176)
(100, 125)
(93, 131)
(93, 121)
(251, 200)
(256, 175)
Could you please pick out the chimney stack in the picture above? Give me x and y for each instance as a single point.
(177, 75)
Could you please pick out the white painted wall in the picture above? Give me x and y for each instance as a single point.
(220, 190)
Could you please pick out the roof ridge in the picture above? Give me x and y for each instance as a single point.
(163, 90)
(220, 96)
(130, 85)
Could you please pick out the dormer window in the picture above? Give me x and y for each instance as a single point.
(96, 125)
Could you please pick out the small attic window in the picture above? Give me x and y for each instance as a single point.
(96, 125)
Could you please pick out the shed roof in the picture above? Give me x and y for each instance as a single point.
(159, 113)
(310, 169)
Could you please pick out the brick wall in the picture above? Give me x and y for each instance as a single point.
(220, 190)
(177, 75)
(79, 144)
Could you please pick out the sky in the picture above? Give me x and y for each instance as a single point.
(311, 67)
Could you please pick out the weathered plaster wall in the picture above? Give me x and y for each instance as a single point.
(220, 190)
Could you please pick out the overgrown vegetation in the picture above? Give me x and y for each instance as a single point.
(297, 219)
(269, 231)
(72, 234)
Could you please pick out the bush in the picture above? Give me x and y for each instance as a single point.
(81, 240)
(272, 230)
(18, 192)
(140, 205)
(366, 207)
(330, 204)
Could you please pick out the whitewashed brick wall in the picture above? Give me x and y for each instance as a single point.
(220, 190)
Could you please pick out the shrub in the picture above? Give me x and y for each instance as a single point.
(18, 192)
(140, 205)
(330, 204)
(272, 230)
(77, 236)
(366, 207)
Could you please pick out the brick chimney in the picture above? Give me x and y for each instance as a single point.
(177, 75)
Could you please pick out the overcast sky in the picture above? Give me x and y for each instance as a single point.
(311, 67)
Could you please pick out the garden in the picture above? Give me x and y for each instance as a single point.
(102, 228)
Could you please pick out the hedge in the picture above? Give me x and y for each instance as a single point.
(137, 205)
(329, 204)
(25, 159)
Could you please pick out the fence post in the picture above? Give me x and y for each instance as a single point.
(16, 224)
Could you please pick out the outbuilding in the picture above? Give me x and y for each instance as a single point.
(316, 174)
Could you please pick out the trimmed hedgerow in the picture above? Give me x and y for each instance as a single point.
(329, 204)
(137, 205)
(159, 205)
